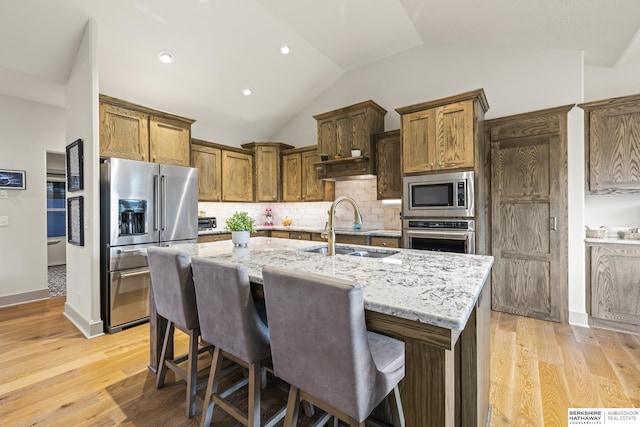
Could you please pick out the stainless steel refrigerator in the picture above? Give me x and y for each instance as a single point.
(141, 205)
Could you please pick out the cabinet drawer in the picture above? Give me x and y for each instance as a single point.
(261, 233)
(280, 234)
(213, 237)
(317, 237)
(351, 239)
(299, 235)
(389, 242)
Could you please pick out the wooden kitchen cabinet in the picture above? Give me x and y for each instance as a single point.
(341, 130)
(612, 145)
(278, 234)
(613, 296)
(130, 131)
(389, 176)
(208, 161)
(267, 170)
(351, 239)
(441, 135)
(205, 238)
(300, 181)
(237, 176)
(388, 242)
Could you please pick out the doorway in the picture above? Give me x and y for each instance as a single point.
(56, 225)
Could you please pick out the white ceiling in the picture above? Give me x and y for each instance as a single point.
(223, 46)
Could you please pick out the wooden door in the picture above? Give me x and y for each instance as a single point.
(267, 160)
(237, 177)
(418, 140)
(361, 131)
(312, 188)
(529, 214)
(169, 141)
(389, 176)
(291, 177)
(344, 136)
(454, 141)
(124, 133)
(208, 161)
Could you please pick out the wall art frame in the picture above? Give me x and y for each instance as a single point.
(13, 179)
(75, 169)
(75, 220)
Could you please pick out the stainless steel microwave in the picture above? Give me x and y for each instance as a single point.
(438, 195)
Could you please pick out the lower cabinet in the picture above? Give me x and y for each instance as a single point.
(205, 238)
(614, 285)
(389, 242)
(280, 234)
(352, 239)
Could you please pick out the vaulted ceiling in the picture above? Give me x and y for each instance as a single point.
(221, 47)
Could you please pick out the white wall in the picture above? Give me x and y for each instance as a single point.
(83, 267)
(27, 131)
(514, 80)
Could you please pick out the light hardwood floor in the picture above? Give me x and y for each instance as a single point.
(52, 375)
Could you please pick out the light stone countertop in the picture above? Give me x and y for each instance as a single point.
(610, 240)
(365, 232)
(435, 288)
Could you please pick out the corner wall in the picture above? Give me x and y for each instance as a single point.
(82, 121)
(27, 131)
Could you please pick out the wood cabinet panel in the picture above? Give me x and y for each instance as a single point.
(237, 177)
(389, 176)
(205, 238)
(523, 170)
(352, 239)
(615, 292)
(124, 133)
(327, 134)
(418, 137)
(300, 235)
(169, 141)
(454, 133)
(612, 145)
(208, 161)
(292, 177)
(278, 234)
(311, 186)
(267, 160)
(389, 242)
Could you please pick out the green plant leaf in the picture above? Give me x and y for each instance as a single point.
(240, 221)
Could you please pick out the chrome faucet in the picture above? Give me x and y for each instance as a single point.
(330, 232)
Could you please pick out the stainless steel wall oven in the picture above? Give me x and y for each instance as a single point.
(440, 235)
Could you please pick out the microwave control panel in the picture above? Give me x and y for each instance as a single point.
(462, 194)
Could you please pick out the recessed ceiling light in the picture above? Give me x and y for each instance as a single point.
(285, 49)
(165, 56)
(247, 91)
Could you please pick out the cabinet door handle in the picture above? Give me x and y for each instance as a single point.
(553, 223)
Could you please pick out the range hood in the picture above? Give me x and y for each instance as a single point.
(349, 168)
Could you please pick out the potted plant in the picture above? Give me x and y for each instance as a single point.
(356, 152)
(241, 225)
(324, 156)
(338, 155)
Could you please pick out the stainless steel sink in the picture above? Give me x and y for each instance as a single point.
(345, 250)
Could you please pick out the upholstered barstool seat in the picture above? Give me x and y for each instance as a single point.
(175, 300)
(230, 321)
(321, 347)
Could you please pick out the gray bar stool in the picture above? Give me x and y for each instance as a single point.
(229, 320)
(175, 299)
(320, 346)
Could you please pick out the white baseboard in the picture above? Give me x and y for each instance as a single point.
(578, 318)
(24, 297)
(89, 329)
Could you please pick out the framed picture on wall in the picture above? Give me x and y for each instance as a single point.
(12, 180)
(75, 220)
(75, 166)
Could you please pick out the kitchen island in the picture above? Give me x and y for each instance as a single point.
(437, 303)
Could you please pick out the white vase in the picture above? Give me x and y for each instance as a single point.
(355, 153)
(240, 238)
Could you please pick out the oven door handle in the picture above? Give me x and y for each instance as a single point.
(464, 235)
(134, 274)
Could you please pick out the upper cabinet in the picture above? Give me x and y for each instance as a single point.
(130, 131)
(300, 181)
(266, 161)
(224, 173)
(389, 176)
(442, 134)
(612, 145)
(344, 129)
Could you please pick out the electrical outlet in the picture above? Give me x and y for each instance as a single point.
(3, 194)
(4, 221)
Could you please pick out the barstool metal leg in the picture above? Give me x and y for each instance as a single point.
(397, 413)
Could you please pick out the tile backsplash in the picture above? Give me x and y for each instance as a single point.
(314, 214)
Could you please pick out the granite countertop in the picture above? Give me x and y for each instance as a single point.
(362, 232)
(434, 288)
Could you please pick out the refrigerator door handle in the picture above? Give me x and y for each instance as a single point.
(163, 197)
(156, 202)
